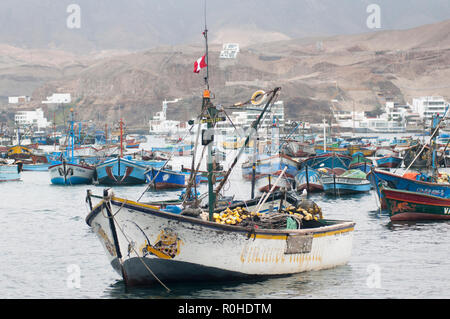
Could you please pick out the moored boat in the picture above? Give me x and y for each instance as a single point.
(417, 184)
(9, 173)
(389, 161)
(121, 171)
(350, 182)
(406, 205)
(309, 179)
(181, 248)
(69, 170)
(71, 173)
(327, 160)
(165, 178)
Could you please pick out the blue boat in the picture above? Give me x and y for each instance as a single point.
(406, 183)
(9, 173)
(36, 167)
(165, 179)
(121, 171)
(350, 182)
(70, 170)
(359, 161)
(389, 161)
(327, 160)
(270, 165)
(168, 179)
(308, 178)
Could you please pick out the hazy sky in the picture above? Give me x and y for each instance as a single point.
(84, 25)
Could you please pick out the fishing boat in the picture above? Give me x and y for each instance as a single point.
(327, 160)
(270, 165)
(165, 179)
(70, 170)
(35, 167)
(406, 206)
(433, 184)
(359, 161)
(365, 151)
(147, 245)
(414, 183)
(389, 161)
(9, 173)
(295, 148)
(70, 173)
(308, 179)
(350, 182)
(418, 156)
(132, 144)
(264, 183)
(121, 170)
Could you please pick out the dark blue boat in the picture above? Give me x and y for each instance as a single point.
(121, 171)
(389, 161)
(327, 160)
(403, 183)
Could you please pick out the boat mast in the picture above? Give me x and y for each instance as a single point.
(211, 115)
(72, 134)
(121, 138)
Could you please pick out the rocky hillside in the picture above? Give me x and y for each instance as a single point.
(355, 71)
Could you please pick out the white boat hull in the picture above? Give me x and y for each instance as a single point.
(140, 238)
(70, 174)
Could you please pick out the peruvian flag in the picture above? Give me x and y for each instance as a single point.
(200, 64)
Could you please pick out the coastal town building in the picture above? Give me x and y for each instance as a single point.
(31, 118)
(429, 106)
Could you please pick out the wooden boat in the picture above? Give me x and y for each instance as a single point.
(389, 161)
(120, 170)
(36, 167)
(69, 170)
(309, 179)
(352, 149)
(406, 205)
(264, 183)
(359, 161)
(295, 148)
(132, 144)
(270, 165)
(378, 177)
(182, 248)
(429, 184)
(70, 173)
(410, 158)
(165, 179)
(350, 182)
(327, 160)
(9, 173)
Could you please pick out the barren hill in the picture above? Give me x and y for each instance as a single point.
(358, 71)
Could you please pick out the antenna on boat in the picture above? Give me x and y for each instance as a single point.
(205, 34)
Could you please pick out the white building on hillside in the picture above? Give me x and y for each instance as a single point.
(58, 98)
(429, 106)
(35, 118)
(18, 99)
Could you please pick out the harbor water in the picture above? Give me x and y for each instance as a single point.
(48, 251)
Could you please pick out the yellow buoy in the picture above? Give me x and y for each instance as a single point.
(258, 97)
